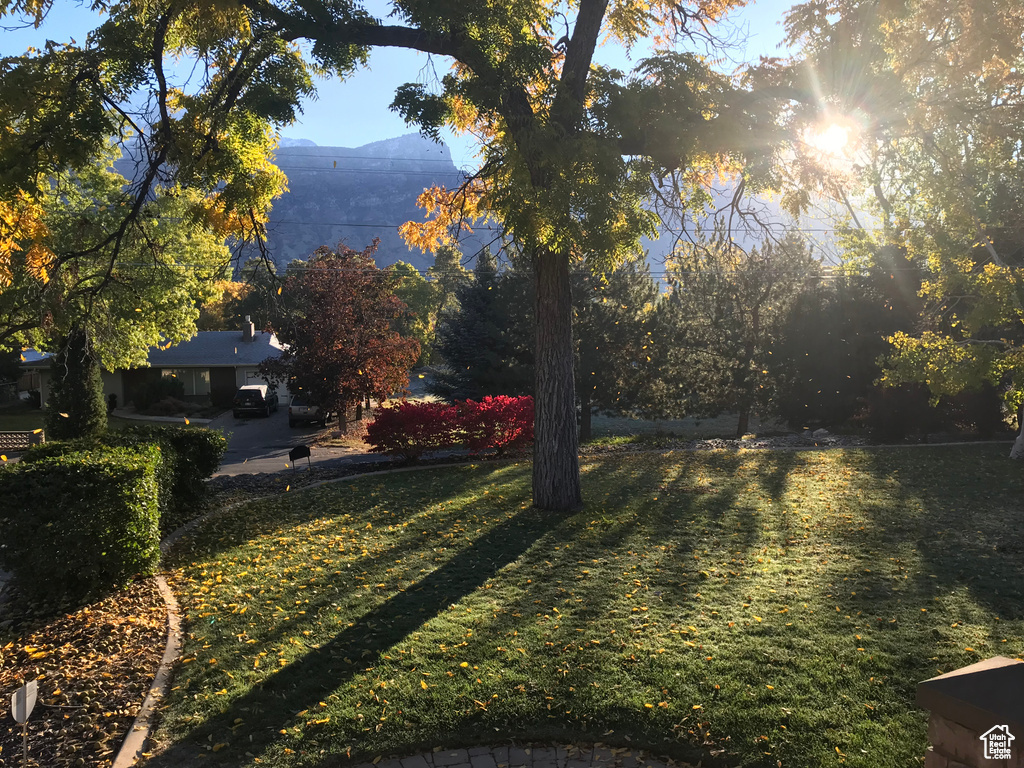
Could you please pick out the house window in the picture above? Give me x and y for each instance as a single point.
(201, 378)
(196, 381)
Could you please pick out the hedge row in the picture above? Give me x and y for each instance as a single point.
(81, 523)
(495, 424)
(85, 516)
(190, 456)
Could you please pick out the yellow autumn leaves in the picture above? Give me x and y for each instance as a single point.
(22, 231)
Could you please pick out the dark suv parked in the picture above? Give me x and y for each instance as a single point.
(254, 399)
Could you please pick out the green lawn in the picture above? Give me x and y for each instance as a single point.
(766, 608)
(18, 418)
(23, 419)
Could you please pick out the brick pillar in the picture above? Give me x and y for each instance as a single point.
(983, 700)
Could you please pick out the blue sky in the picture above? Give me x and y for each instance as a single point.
(356, 112)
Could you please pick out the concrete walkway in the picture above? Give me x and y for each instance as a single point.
(571, 756)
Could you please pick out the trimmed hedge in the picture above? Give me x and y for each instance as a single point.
(81, 523)
(495, 424)
(190, 456)
(197, 455)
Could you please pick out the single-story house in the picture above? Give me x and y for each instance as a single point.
(211, 366)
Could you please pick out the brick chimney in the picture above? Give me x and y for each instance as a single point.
(248, 330)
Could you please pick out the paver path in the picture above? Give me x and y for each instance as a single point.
(572, 756)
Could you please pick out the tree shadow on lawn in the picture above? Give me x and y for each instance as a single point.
(378, 497)
(957, 512)
(927, 552)
(262, 524)
(304, 682)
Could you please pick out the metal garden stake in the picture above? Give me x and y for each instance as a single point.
(22, 703)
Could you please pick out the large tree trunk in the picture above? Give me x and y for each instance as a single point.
(556, 469)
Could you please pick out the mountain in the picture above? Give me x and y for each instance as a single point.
(340, 194)
(352, 195)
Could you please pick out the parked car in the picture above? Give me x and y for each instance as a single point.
(302, 411)
(254, 399)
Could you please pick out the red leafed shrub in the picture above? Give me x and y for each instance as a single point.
(412, 429)
(501, 424)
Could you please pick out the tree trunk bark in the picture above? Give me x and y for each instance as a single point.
(359, 409)
(343, 418)
(556, 469)
(744, 422)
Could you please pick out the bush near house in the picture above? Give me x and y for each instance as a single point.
(494, 424)
(81, 523)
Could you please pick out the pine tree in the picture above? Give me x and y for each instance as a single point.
(486, 342)
(615, 340)
(75, 406)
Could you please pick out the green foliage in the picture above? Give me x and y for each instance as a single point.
(190, 456)
(421, 300)
(75, 406)
(828, 355)
(198, 451)
(950, 206)
(448, 275)
(10, 365)
(615, 331)
(571, 153)
(155, 388)
(81, 523)
(486, 343)
(720, 322)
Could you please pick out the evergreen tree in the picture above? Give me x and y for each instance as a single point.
(721, 321)
(615, 339)
(75, 406)
(830, 349)
(486, 342)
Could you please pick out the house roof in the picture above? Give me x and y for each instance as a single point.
(217, 348)
(207, 349)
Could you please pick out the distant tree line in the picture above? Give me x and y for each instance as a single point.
(766, 331)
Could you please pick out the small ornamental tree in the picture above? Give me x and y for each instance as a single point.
(341, 345)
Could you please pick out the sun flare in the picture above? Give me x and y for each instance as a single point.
(832, 139)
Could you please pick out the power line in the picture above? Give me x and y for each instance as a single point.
(704, 230)
(376, 171)
(319, 156)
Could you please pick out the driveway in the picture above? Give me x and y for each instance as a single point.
(261, 444)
